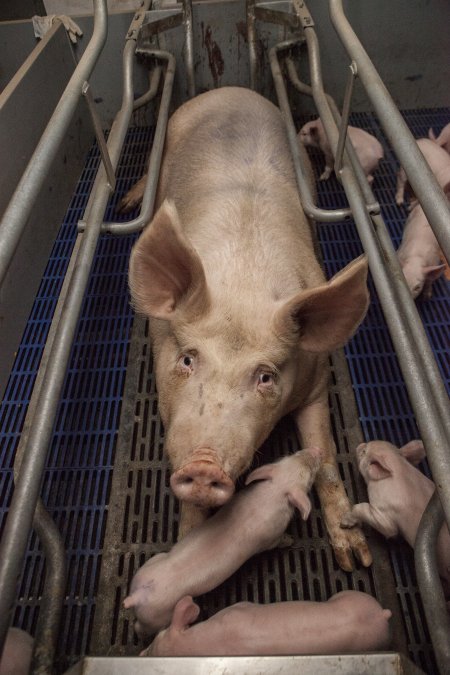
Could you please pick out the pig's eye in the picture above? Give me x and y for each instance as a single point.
(265, 380)
(186, 363)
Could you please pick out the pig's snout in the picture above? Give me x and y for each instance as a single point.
(202, 482)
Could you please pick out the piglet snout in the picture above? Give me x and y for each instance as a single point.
(202, 482)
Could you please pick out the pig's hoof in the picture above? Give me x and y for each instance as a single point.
(352, 540)
(325, 176)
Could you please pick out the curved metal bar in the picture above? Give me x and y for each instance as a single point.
(422, 180)
(305, 193)
(148, 199)
(24, 500)
(251, 39)
(50, 611)
(425, 558)
(19, 208)
(372, 204)
(154, 78)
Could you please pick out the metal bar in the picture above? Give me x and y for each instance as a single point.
(425, 558)
(345, 115)
(305, 193)
(87, 93)
(426, 189)
(372, 204)
(19, 209)
(189, 46)
(27, 487)
(150, 94)
(51, 607)
(148, 199)
(251, 39)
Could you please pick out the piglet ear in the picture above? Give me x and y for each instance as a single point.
(166, 273)
(413, 451)
(323, 318)
(433, 272)
(184, 614)
(261, 473)
(299, 499)
(378, 466)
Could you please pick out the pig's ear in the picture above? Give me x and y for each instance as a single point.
(299, 499)
(378, 467)
(166, 273)
(323, 318)
(413, 451)
(261, 473)
(184, 614)
(433, 272)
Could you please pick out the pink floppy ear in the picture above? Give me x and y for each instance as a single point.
(184, 614)
(299, 499)
(413, 451)
(261, 473)
(378, 468)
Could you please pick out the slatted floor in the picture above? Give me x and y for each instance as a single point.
(77, 481)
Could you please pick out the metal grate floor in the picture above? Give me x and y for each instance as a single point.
(80, 483)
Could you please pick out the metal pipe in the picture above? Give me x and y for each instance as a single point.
(27, 487)
(345, 115)
(424, 184)
(251, 39)
(19, 209)
(50, 610)
(154, 78)
(425, 387)
(372, 204)
(305, 193)
(425, 558)
(148, 199)
(189, 46)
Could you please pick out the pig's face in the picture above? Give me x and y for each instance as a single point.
(309, 134)
(220, 395)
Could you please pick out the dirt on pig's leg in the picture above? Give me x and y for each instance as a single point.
(313, 425)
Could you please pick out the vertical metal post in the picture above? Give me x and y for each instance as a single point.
(251, 38)
(189, 46)
(345, 116)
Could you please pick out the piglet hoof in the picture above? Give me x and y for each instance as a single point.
(133, 197)
(348, 520)
(326, 174)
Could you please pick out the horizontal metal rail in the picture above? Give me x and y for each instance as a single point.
(26, 493)
(425, 187)
(19, 208)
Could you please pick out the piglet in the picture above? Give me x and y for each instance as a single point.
(367, 147)
(398, 494)
(443, 139)
(419, 253)
(17, 653)
(349, 621)
(253, 521)
(438, 161)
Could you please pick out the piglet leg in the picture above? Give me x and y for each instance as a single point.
(313, 424)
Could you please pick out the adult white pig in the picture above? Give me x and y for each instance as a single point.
(254, 520)
(242, 317)
(349, 622)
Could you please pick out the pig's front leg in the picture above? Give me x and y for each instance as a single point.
(190, 517)
(366, 513)
(313, 424)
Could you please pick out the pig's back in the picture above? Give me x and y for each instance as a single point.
(228, 168)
